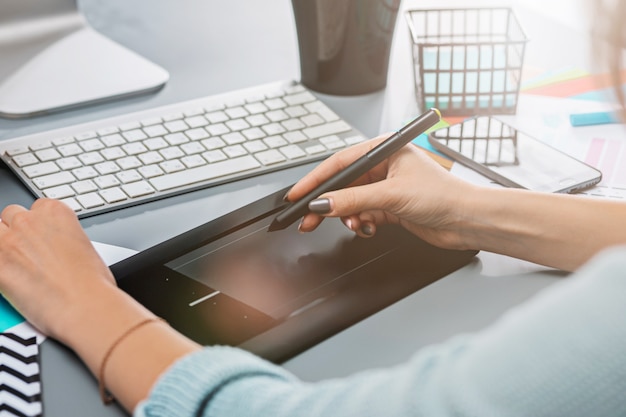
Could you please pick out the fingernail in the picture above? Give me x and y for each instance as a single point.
(349, 224)
(367, 230)
(320, 205)
(285, 197)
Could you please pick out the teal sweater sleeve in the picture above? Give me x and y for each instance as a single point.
(560, 354)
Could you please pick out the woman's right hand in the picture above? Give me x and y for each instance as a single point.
(409, 189)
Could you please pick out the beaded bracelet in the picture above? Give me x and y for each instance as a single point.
(106, 397)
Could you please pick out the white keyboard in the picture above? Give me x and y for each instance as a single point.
(148, 155)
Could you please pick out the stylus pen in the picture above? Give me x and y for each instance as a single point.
(359, 167)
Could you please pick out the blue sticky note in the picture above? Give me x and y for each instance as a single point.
(595, 118)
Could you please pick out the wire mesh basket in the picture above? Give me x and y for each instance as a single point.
(467, 61)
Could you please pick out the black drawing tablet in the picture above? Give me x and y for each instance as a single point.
(278, 293)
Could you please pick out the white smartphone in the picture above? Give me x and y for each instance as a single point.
(513, 158)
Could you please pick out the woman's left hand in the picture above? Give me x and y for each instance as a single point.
(48, 265)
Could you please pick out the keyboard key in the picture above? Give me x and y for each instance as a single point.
(237, 124)
(91, 145)
(134, 135)
(150, 158)
(172, 166)
(273, 129)
(67, 164)
(112, 153)
(312, 120)
(296, 111)
(255, 146)
(295, 137)
(90, 200)
(17, 150)
(155, 144)
(90, 158)
(197, 134)
(62, 191)
(293, 124)
(25, 159)
(277, 115)
(327, 129)
(204, 173)
(216, 117)
(257, 120)
(40, 146)
(113, 195)
(113, 140)
(214, 156)
(107, 167)
(38, 170)
(150, 171)
(134, 148)
(138, 189)
(253, 133)
(106, 181)
(275, 104)
(275, 141)
(233, 138)
(270, 157)
(84, 173)
(292, 151)
(52, 180)
(256, 108)
(46, 155)
(176, 126)
(70, 149)
(192, 148)
(62, 141)
(128, 162)
(172, 152)
(86, 135)
(83, 187)
(213, 143)
(155, 130)
(315, 149)
(72, 203)
(107, 131)
(176, 139)
(193, 161)
(236, 112)
(352, 140)
(299, 98)
(128, 176)
(234, 151)
(324, 112)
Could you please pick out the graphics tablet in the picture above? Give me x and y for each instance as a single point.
(230, 281)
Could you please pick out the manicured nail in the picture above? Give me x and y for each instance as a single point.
(285, 197)
(320, 205)
(367, 230)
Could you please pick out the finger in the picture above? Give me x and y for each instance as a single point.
(329, 167)
(367, 229)
(310, 222)
(354, 200)
(9, 213)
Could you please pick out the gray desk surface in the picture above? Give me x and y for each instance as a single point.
(215, 46)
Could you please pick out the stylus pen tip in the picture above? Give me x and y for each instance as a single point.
(276, 225)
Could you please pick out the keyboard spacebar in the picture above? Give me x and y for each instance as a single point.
(204, 173)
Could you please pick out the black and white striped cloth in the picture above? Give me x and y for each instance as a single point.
(20, 382)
